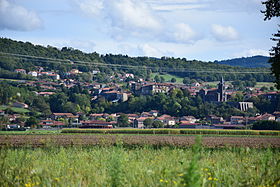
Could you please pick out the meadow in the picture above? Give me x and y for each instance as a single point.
(143, 166)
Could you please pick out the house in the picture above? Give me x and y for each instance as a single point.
(129, 75)
(56, 116)
(153, 88)
(263, 117)
(98, 116)
(20, 105)
(115, 96)
(189, 119)
(55, 76)
(215, 119)
(46, 93)
(33, 73)
(74, 71)
(189, 125)
(234, 120)
(97, 124)
(139, 122)
(51, 123)
(167, 120)
(94, 72)
(23, 71)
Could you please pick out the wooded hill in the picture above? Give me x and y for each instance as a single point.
(64, 59)
(248, 62)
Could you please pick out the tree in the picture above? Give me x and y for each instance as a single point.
(273, 10)
(148, 123)
(157, 124)
(123, 120)
(31, 122)
(173, 80)
(266, 125)
(157, 79)
(187, 81)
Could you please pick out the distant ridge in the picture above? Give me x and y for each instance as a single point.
(248, 62)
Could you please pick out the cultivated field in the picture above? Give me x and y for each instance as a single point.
(129, 141)
(78, 159)
(175, 131)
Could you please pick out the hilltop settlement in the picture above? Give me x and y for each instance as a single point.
(112, 91)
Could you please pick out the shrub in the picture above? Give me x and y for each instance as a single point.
(266, 125)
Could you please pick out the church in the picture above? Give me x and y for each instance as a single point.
(216, 94)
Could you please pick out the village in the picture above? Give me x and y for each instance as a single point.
(121, 88)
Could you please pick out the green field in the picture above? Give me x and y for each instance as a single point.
(168, 77)
(119, 166)
(15, 109)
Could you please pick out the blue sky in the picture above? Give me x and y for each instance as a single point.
(195, 29)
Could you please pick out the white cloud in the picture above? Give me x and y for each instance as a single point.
(15, 17)
(132, 14)
(183, 33)
(224, 33)
(152, 51)
(252, 52)
(90, 7)
(125, 17)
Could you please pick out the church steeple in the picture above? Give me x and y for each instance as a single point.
(221, 90)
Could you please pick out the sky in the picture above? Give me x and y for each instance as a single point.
(205, 30)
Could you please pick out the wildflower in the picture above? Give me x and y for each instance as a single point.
(161, 180)
(206, 169)
(180, 174)
(209, 173)
(56, 179)
(28, 185)
(174, 182)
(215, 179)
(210, 178)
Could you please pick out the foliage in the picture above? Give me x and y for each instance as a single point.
(108, 64)
(122, 120)
(31, 122)
(148, 123)
(117, 166)
(273, 10)
(266, 125)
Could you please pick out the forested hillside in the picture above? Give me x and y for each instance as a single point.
(140, 66)
(248, 62)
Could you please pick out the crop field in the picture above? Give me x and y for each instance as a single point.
(132, 141)
(140, 166)
(174, 131)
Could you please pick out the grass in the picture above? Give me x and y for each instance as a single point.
(15, 109)
(30, 132)
(266, 84)
(174, 131)
(168, 77)
(119, 166)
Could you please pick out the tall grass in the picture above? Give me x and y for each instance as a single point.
(119, 166)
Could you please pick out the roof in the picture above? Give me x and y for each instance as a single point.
(98, 122)
(96, 115)
(240, 117)
(186, 124)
